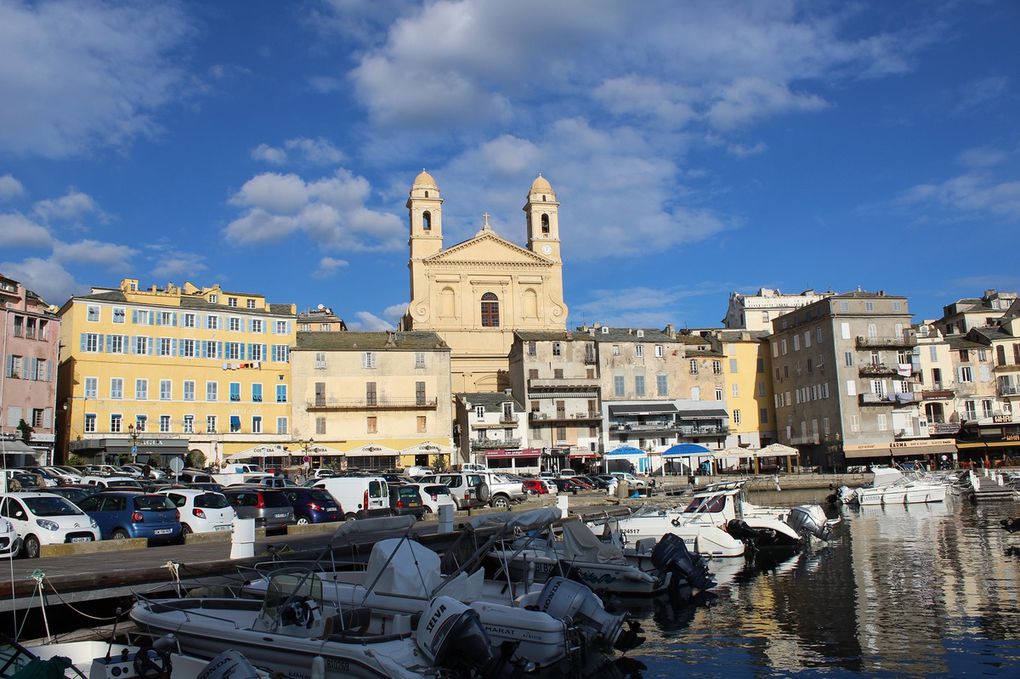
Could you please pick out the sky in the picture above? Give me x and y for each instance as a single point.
(696, 148)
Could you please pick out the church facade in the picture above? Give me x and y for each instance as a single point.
(477, 293)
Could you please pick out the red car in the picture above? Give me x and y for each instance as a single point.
(535, 487)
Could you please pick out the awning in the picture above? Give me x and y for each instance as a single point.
(1003, 444)
(16, 446)
(583, 455)
(259, 451)
(971, 445)
(626, 451)
(642, 409)
(427, 448)
(686, 450)
(499, 453)
(370, 449)
(778, 450)
(703, 414)
(901, 448)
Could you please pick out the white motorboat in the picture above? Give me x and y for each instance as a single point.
(575, 552)
(892, 487)
(546, 625)
(293, 629)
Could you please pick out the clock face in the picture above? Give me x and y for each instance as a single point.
(546, 249)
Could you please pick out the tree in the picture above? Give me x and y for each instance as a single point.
(195, 459)
(26, 431)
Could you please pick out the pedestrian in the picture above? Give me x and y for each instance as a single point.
(146, 471)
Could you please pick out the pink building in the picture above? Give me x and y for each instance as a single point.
(29, 341)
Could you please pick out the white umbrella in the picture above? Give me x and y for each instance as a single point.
(370, 449)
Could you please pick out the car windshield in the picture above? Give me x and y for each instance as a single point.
(407, 493)
(153, 503)
(275, 500)
(211, 501)
(51, 506)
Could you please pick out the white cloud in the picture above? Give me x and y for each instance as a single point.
(78, 75)
(269, 154)
(319, 151)
(331, 211)
(745, 150)
(17, 230)
(968, 193)
(70, 207)
(640, 306)
(108, 255)
(395, 311)
(368, 321)
(46, 277)
(329, 266)
(10, 188)
(672, 103)
(173, 263)
(747, 99)
(983, 156)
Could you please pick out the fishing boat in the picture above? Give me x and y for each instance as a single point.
(891, 487)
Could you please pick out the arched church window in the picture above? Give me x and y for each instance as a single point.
(545, 225)
(530, 304)
(490, 310)
(426, 221)
(426, 194)
(447, 303)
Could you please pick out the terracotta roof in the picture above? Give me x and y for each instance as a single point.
(370, 341)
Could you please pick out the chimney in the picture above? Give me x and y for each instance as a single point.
(391, 338)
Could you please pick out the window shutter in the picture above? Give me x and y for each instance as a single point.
(173, 347)
(99, 342)
(219, 350)
(9, 368)
(150, 345)
(82, 342)
(173, 320)
(49, 371)
(47, 418)
(265, 356)
(152, 317)
(157, 317)
(134, 316)
(109, 343)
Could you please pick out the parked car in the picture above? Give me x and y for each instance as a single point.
(322, 473)
(632, 480)
(468, 489)
(417, 471)
(313, 505)
(594, 481)
(211, 486)
(269, 507)
(535, 487)
(63, 476)
(46, 519)
(103, 482)
(584, 485)
(567, 486)
(10, 543)
(125, 514)
(360, 496)
(74, 493)
(201, 511)
(194, 476)
(405, 499)
(567, 473)
(49, 478)
(432, 495)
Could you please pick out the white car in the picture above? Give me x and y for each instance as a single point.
(567, 474)
(202, 511)
(46, 519)
(10, 543)
(632, 481)
(108, 482)
(433, 495)
(64, 474)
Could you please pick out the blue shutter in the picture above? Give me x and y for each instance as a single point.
(9, 369)
(156, 316)
(173, 347)
(134, 316)
(99, 342)
(265, 356)
(109, 343)
(150, 343)
(173, 319)
(82, 343)
(131, 344)
(152, 317)
(247, 352)
(219, 350)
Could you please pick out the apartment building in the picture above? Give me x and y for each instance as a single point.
(936, 386)
(702, 406)
(844, 374)
(555, 376)
(375, 400)
(968, 313)
(491, 429)
(748, 387)
(165, 371)
(29, 335)
(757, 312)
(320, 319)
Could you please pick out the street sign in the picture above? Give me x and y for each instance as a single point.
(307, 459)
(134, 449)
(176, 465)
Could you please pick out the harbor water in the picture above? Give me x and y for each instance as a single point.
(922, 590)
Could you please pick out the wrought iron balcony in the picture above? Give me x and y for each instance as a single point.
(937, 393)
(489, 444)
(540, 418)
(704, 431)
(890, 341)
(320, 404)
(563, 383)
(876, 400)
(877, 369)
(1009, 389)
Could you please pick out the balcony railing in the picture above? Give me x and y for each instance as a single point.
(704, 431)
(508, 419)
(1009, 389)
(877, 342)
(664, 425)
(563, 383)
(1006, 367)
(937, 394)
(887, 399)
(877, 369)
(550, 418)
(489, 444)
(589, 359)
(377, 404)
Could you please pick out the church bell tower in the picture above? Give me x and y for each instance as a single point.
(542, 211)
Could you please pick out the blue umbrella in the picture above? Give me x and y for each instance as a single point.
(685, 449)
(626, 450)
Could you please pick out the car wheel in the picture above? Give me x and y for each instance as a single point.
(500, 502)
(30, 547)
(303, 521)
(350, 516)
(186, 529)
(120, 534)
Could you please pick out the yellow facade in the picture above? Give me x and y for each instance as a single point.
(160, 367)
(382, 399)
(748, 388)
(475, 294)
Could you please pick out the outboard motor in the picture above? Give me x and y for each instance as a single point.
(671, 555)
(451, 635)
(229, 664)
(846, 495)
(739, 529)
(810, 520)
(575, 603)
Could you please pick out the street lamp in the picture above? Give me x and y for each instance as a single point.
(307, 458)
(133, 434)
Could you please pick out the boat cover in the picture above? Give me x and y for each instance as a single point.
(350, 530)
(580, 544)
(885, 476)
(413, 570)
(533, 518)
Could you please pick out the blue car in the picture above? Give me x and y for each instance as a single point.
(313, 505)
(131, 514)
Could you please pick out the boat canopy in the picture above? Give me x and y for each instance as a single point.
(352, 529)
(533, 518)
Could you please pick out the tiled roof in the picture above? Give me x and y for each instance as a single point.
(370, 341)
(630, 335)
(491, 401)
(552, 336)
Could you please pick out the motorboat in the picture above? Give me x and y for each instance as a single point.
(891, 487)
(294, 629)
(576, 553)
(558, 622)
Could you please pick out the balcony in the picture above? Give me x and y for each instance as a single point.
(876, 400)
(666, 427)
(937, 393)
(869, 369)
(885, 342)
(589, 359)
(490, 444)
(1006, 367)
(563, 383)
(1008, 389)
(509, 419)
(704, 431)
(558, 418)
(324, 404)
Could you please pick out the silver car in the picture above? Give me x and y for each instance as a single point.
(270, 508)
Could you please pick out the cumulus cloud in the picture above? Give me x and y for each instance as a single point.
(329, 266)
(173, 263)
(78, 75)
(46, 277)
(17, 230)
(10, 188)
(331, 211)
(70, 207)
(108, 255)
(968, 194)
(269, 154)
(319, 151)
(747, 99)
(368, 321)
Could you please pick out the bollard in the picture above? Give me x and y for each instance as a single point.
(563, 502)
(242, 542)
(1000, 480)
(445, 518)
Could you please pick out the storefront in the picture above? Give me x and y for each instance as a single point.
(990, 441)
(143, 450)
(523, 460)
(928, 451)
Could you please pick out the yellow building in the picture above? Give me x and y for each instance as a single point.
(173, 370)
(373, 400)
(477, 293)
(748, 387)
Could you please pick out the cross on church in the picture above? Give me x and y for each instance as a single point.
(485, 223)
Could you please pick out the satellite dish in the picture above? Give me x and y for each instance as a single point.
(321, 307)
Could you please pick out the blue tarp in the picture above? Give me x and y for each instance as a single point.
(682, 449)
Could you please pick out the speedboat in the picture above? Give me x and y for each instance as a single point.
(892, 487)
(294, 629)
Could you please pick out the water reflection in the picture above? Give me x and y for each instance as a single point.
(917, 590)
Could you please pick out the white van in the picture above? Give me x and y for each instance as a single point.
(360, 496)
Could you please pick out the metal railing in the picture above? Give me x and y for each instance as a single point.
(370, 404)
(886, 341)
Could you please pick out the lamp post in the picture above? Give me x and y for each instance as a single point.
(307, 457)
(133, 435)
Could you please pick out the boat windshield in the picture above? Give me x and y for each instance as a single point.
(707, 504)
(284, 589)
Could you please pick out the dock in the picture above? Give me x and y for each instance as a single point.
(987, 489)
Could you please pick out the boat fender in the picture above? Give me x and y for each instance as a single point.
(150, 663)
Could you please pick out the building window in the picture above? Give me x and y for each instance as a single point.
(717, 367)
(735, 390)
(796, 342)
(969, 409)
(281, 353)
(371, 424)
(281, 425)
(256, 393)
(869, 306)
(211, 389)
(164, 390)
(250, 303)
(736, 417)
(966, 373)
(188, 348)
(658, 351)
(882, 425)
(618, 385)
(419, 359)
(92, 314)
(616, 350)
(661, 385)
(480, 412)
(281, 393)
(235, 391)
(165, 346)
(763, 415)
(234, 324)
(532, 348)
(91, 387)
(639, 385)
(189, 390)
(422, 424)
(490, 310)
(320, 360)
(281, 328)
(116, 387)
(371, 395)
(232, 301)
(558, 373)
(639, 350)
(141, 389)
(188, 320)
(848, 358)
(115, 423)
(212, 322)
(256, 424)
(140, 422)
(90, 423)
(90, 342)
(164, 424)
(419, 393)
(718, 394)
(556, 349)
(533, 373)
(694, 366)
(561, 434)
(534, 406)
(368, 359)
(695, 393)
(851, 387)
(235, 423)
(426, 219)
(986, 408)
(257, 325)
(189, 424)
(210, 424)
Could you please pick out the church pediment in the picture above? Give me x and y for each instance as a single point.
(487, 248)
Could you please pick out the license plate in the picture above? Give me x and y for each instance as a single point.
(330, 509)
(81, 539)
(162, 531)
(279, 516)
(222, 527)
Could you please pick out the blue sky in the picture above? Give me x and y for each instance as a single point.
(696, 148)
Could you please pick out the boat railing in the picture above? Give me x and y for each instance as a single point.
(187, 611)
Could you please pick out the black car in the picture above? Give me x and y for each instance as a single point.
(313, 505)
(595, 481)
(73, 493)
(406, 500)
